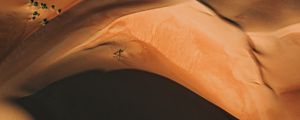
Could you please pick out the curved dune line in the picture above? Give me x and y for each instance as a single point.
(184, 41)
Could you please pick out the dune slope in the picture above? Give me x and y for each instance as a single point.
(208, 55)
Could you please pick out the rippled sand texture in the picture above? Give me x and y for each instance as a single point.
(248, 70)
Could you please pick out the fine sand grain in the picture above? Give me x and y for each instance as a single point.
(250, 71)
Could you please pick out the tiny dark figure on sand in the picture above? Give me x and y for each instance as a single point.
(118, 53)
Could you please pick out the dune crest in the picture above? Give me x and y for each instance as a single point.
(206, 54)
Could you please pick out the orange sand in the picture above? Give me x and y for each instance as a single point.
(249, 72)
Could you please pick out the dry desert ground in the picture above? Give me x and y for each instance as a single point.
(242, 55)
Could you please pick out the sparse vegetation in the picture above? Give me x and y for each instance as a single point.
(35, 14)
(44, 6)
(31, 2)
(58, 11)
(45, 22)
(36, 4)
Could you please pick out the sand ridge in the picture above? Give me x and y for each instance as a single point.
(207, 54)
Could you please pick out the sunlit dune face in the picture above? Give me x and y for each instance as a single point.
(232, 67)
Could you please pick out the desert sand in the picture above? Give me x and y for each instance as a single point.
(249, 70)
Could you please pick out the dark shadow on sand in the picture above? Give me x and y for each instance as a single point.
(119, 95)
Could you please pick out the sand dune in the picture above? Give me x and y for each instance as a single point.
(249, 71)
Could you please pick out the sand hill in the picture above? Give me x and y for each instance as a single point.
(248, 70)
